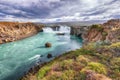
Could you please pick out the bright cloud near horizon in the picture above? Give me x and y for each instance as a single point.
(58, 10)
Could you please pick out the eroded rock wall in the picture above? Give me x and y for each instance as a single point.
(12, 31)
(109, 31)
(78, 30)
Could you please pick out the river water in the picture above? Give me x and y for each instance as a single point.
(18, 57)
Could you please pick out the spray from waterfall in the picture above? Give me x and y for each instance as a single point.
(61, 29)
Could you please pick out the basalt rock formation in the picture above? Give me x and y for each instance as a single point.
(60, 33)
(78, 30)
(109, 32)
(12, 31)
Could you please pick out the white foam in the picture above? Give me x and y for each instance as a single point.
(34, 57)
(48, 30)
(62, 29)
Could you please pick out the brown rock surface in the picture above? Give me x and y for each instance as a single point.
(12, 31)
(110, 31)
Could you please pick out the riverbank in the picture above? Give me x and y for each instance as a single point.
(98, 59)
(19, 56)
(13, 31)
(91, 62)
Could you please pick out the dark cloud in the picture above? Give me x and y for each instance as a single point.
(59, 10)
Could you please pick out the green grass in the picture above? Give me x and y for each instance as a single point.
(115, 45)
(68, 75)
(97, 67)
(42, 72)
(73, 64)
(97, 27)
(104, 33)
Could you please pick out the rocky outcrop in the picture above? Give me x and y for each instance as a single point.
(109, 31)
(55, 28)
(12, 31)
(60, 33)
(78, 30)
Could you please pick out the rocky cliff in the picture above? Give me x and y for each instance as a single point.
(78, 30)
(91, 62)
(109, 32)
(12, 31)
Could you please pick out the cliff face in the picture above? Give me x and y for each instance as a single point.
(78, 30)
(92, 62)
(12, 31)
(109, 31)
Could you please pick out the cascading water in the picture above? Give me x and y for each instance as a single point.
(61, 29)
(18, 57)
(48, 30)
(64, 29)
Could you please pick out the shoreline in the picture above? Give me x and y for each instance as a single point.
(33, 70)
(97, 35)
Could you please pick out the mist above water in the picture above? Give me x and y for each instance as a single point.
(60, 29)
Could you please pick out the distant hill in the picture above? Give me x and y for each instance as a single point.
(75, 23)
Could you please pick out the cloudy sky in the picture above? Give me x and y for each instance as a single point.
(58, 10)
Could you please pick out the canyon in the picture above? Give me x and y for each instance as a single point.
(96, 57)
(109, 31)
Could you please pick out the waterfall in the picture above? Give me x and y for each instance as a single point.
(64, 29)
(61, 29)
(48, 30)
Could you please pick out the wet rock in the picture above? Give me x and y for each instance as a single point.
(49, 56)
(60, 33)
(55, 28)
(76, 30)
(41, 30)
(47, 45)
(79, 35)
(41, 56)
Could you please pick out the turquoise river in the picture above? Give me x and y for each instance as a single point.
(18, 57)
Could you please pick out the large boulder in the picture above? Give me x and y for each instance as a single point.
(47, 45)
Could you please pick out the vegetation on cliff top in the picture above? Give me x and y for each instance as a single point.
(81, 64)
(109, 31)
